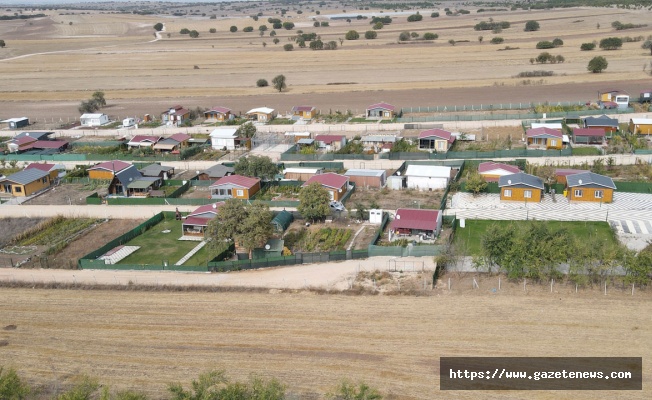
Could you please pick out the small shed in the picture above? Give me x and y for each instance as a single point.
(376, 216)
(301, 173)
(92, 120)
(367, 177)
(273, 248)
(282, 221)
(646, 96)
(640, 126)
(427, 177)
(17, 123)
(588, 136)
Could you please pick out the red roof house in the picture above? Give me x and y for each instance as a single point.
(335, 184)
(544, 137)
(588, 135)
(218, 113)
(306, 112)
(331, 142)
(492, 171)
(410, 221)
(107, 169)
(196, 222)
(436, 139)
(235, 186)
(381, 110)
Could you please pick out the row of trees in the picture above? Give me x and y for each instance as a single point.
(213, 385)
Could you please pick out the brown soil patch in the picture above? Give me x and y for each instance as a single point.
(64, 194)
(13, 226)
(393, 199)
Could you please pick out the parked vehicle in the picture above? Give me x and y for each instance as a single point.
(337, 206)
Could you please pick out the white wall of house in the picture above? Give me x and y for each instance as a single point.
(426, 183)
(220, 143)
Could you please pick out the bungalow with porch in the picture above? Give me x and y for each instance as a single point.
(173, 143)
(608, 125)
(613, 99)
(175, 115)
(381, 110)
(562, 173)
(588, 136)
(106, 170)
(336, 184)
(26, 182)
(521, 187)
(544, 137)
(410, 221)
(640, 126)
(438, 140)
(261, 114)
(330, 142)
(589, 186)
(218, 114)
(235, 186)
(139, 141)
(21, 141)
(305, 112)
(492, 171)
(119, 185)
(214, 173)
(196, 222)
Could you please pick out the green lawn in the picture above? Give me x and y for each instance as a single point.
(585, 151)
(469, 238)
(156, 246)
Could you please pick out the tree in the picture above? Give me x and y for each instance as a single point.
(233, 28)
(360, 211)
(415, 17)
(184, 31)
(352, 35)
(646, 45)
(430, 36)
(215, 386)
(497, 40)
(11, 386)
(480, 39)
(587, 46)
(544, 57)
(545, 44)
(378, 25)
(248, 129)
(288, 25)
(314, 202)
(557, 42)
(370, 35)
(316, 24)
(257, 227)
(597, 64)
(194, 34)
(248, 29)
(434, 15)
(287, 47)
(212, 30)
(276, 40)
(82, 390)
(347, 390)
(262, 83)
(257, 166)
(205, 388)
(611, 43)
(404, 36)
(262, 28)
(531, 26)
(158, 27)
(317, 45)
(87, 107)
(98, 98)
(331, 45)
(476, 183)
(279, 82)
(451, 42)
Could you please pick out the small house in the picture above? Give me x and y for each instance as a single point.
(550, 139)
(331, 142)
(51, 146)
(93, 120)
(119, 185)
(588, 136)
(336, 184)
(214, 173)
(282, 221)
(19, 144)
(427, 177)
(157, 171)
(411, 222)
(16, 123)
(56, 171)
(261, 114)
(367, 178)
(562, 173)
(304, 112)
(613, 99)
(106, 170)
(142, 186)
(640, 126)
(376, 142)
(492, 171)
(26, 182)
(589, 186)
(224, 138)
(438, 140)
(218, 114)
(301, 173)
(175, 115)
(521, 187)
(139, 141)
(381, 110)
(195, 224)
(609, 125)
(235, 186)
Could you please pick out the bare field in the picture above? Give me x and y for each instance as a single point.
(118, 54)
(144, 340)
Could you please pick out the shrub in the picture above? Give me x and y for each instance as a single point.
(619, 26)
(597, 64)
(545, 44)
(233, 28)
(611, 43)
(315, 24)
(317, 45)
(587, 46)
(497, 40)
(430, 36)
(370, 35)
(194, 34)
(488, 26)
(434, 15)
(559, 59)
(262, 28)
(212, 30)
(288, 25)
(324, 23)
(378, 25)
(544, 57)
(404, 36)
(158, 27)
(415, 17)
(276, 40)
(262, 83)
(352, 35)
(535, 74)
(248, 29)
(557, 42)
(451, 42)
(184, 31)
(531, 26)
(288, 47)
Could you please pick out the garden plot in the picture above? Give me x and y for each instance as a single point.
(64, 194)
(326, 237)
(492, 138)
(392, 199)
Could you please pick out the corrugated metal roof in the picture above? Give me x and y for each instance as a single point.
(379, 139)
(261, 110)
(196, 221)
(520, 179)
(588, 132)
(410, 218)
(566, 172)
(140, 184)
(218, 171)
(302, 170)
(128, 175)
(590, 179)
(207, 208)
(365, 172)
(306, 141)
(303, 108)
(328, 139)
(42, 167)
(222, 110)
(26, 176)
(642, 121)
(602, 120)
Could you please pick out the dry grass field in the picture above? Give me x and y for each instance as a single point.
(50, 61)
(144, 340)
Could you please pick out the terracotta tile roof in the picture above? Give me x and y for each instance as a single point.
(180, 137)
(46, 144)
(330, 179)
(410, 218)
(144, 138)
(237, 180)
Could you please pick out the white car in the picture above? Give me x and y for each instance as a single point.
(337, 206)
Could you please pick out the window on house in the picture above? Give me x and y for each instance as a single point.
(599, 194)
(527, 194)
(507, 193)
(441, 145)
(240, 193)
(578, 193)
(553, 142)
(18, 189)
(44, 179)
